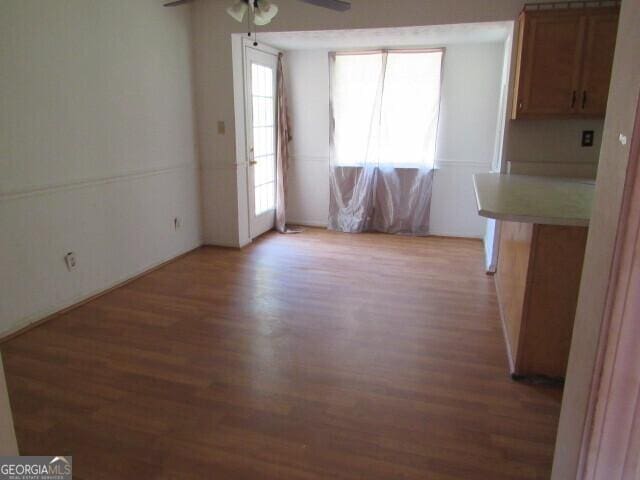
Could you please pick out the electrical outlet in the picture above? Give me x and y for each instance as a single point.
(177, 223)
(70, 260)
(587, 138)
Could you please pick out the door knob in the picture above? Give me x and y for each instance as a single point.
(253, 162)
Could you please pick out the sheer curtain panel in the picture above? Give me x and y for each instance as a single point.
(384, 121)
(283, 137)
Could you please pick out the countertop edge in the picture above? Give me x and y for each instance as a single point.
(508, 217)
(523, 218)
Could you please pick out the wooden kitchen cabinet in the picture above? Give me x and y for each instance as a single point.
(537, 282)
(564, 60)
(600, 44)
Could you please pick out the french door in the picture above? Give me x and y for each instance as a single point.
(260, 95)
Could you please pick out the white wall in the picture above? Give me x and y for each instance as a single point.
(307, 82)
(96, 148)
(466, 136)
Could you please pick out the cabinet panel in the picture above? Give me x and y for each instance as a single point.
(511, 280)
(554, 276)
(537, 282)
(598, 60)
(550, 63)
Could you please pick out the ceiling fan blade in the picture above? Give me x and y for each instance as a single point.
(338, 5)
(175, 3)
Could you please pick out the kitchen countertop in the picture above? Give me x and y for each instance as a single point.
(529, 199)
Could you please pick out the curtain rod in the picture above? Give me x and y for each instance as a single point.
(389, 50)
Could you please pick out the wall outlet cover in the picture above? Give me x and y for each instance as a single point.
(587, 138)
(70, 260)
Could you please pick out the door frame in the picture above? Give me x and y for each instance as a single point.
(238, 43)
(491, 238)
(612, 430)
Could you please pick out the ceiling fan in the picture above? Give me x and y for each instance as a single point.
(263, 11)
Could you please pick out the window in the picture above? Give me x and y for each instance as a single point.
(385, 107)
(262, 93)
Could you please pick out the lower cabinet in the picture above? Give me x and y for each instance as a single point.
(537, 282)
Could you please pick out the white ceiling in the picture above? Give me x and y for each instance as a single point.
(432, 35)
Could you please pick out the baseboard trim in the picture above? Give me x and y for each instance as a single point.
(460, 237)
(234, 246)
(312, 224)
(245, 242)
(306, 223)
(505, 334)
(41, 319)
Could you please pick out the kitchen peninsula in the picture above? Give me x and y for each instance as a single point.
(543, 233)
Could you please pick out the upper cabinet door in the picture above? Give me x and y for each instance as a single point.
(564, 62)
(602, 27)
(549, 63)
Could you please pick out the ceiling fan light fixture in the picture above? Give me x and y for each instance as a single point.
(264, 12)
(238, 10)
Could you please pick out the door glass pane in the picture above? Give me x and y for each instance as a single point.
(263, 103)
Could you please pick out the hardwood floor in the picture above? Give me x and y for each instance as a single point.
(310, 356)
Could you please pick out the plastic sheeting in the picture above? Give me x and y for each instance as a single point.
(384, 118)
(379, 199)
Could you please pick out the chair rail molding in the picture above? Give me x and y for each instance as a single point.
(47, 189)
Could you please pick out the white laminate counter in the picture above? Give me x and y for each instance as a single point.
(529, 199)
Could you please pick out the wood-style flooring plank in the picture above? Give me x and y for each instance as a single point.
(310, 356)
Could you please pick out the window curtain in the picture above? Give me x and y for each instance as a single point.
(283, 137)
(384, 118)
